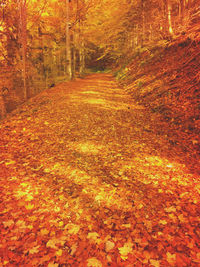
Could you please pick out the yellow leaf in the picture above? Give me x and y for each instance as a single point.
(10, 162)
(60, 223)
(29, 206)
(8, 223)
(170, 209)
(61, 197)
(163, 222)
(59, 252)
(73, 228)
(57, 209)
(183, 194)
(29, 198)
(125, 250)
(109, 245)
(52, 243)
(171, 258)
(73, 249)
(30, 227)
(34, 250)
(52, 264)
(44, 231)
(94, 237)
(33, 218)
(182, 218)
(173, 217)
(21, 224)
(155, 263)
(140, 206)
(20, 194)
(24, 184)
(127, 225)
(93, 262)
(124, 257)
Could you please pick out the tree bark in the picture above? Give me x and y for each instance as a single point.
(68, 46)
(23, 41)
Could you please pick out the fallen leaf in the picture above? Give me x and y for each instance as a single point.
(73, 249)
(171, 258)
(52, 264)
(61, 223)
(29, 198)
(94, 237)
(155, 263)
(73, 228)
(125, 250)
(109, 245)
(10, 162)
(24, 184)
(94, 262)
(163, 222)
(34, 250)
(8, 223)
(170, 209)
(21, 224)
(29, 206)
(127, 225)
(44, 231)
(57, 209)
(52, 243)
(59, 252)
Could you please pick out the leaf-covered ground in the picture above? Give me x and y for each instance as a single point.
(86, 181)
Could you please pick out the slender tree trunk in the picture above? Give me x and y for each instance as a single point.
(169, 9)
(68, 47)
(42, 58)
(181, 11)
(74, 62)
(23, 41)
(82, 58)
(143, 24)
(74, 56)
(167, 24)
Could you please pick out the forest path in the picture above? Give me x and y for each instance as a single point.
(86, 181)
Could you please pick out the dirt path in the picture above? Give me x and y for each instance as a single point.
(85, 181)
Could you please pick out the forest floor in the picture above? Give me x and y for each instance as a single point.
(87, 181)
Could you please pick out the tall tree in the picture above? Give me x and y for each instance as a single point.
(22, 6)
(68, 46)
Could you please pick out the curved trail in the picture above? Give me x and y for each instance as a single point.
(87, 181)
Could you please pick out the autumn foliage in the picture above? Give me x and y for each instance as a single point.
(99, 169)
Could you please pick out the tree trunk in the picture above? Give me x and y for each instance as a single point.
(168, 30)
(143, 24)
(169, 18)
(68, 47)
(181, 11)
(82, 59)
(23, 41)
(74, 56)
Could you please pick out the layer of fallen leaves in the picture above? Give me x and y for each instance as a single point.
(84, 182)
(166, 80)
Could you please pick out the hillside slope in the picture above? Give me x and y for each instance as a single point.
(167, 80)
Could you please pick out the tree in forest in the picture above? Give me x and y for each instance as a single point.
(22, 7)
(68, 45)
